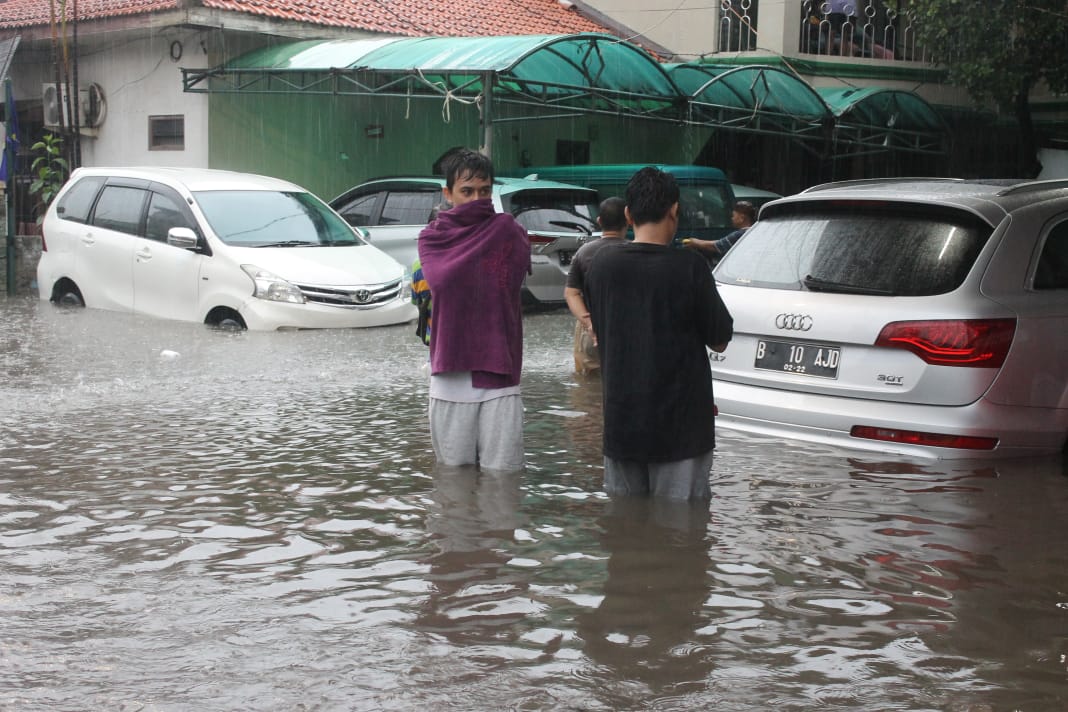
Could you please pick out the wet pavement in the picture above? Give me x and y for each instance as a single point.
(194, 519)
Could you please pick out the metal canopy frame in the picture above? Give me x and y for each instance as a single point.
(875, 120)
(756, 99)
(564, 76)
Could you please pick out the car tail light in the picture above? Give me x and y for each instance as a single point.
(912, 437)
(980, 343)
(44, 245)
(541, 240)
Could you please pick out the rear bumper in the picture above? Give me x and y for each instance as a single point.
(1020, 431)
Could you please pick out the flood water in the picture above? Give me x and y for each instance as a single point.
(202, 520)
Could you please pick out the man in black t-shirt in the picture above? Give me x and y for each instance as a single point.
(655, 311)
(613, 222)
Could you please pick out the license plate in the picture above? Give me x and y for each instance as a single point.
(565, 257)
(803, 359)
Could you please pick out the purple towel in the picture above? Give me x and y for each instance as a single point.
(474, 260)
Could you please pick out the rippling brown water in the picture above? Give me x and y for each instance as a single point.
(197, 520)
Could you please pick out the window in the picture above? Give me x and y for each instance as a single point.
(409, 208)
(163, 214)
(1052, 271)
(166, 133)
(554, 210)
(119, 208)
(78, 201)
(892, 249)
(360, 210)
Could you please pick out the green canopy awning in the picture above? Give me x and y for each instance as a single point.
(587, 72)
(875, 119)
(754, 98)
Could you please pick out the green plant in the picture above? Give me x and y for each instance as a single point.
(49, 170)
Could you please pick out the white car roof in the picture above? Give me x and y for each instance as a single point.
(193, 179)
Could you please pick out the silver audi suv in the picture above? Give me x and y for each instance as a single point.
(919, 316)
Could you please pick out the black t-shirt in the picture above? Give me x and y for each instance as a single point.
(580, 263)
(655, 309)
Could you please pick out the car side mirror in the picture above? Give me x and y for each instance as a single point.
(182, 237)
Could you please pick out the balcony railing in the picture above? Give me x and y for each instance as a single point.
(873, 29)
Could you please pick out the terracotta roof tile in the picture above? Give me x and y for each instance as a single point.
(395, 17)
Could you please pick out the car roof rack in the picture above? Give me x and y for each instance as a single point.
(879, 181)
(1033, 186)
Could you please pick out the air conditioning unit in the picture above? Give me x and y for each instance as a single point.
(91, 110)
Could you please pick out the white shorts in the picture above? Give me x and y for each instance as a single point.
(488, 434)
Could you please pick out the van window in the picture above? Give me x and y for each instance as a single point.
(78, 201)
(163, 214)
(891, 250)
(409, 207)
(119, 209)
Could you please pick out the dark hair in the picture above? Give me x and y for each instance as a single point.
(611, 214)
(466, 163)
(650, 194)
(746, 208)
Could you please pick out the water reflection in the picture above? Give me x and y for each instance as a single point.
(474, 594)
(648, 627)
(257, 522)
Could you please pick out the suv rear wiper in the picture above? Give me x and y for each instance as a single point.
(815, 284)
(577, 227)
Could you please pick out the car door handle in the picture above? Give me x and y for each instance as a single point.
(144, 254)
(88, 239)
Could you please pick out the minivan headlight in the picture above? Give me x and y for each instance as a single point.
(406, 286)
(270, 286)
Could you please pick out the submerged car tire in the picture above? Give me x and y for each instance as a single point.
(67, 294)
(226, 319)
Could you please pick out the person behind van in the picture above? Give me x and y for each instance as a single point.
(612, 218)
(655, 310)
(474, 260)
(742, 218)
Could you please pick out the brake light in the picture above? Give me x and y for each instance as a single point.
(44, 245)
(979, 343)
(912, 437)
(541, 240)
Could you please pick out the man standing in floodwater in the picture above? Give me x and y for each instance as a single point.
(655, 311)
(474, 260)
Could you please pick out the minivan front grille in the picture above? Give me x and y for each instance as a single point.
(361, 297)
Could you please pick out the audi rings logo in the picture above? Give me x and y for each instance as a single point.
(793, 322)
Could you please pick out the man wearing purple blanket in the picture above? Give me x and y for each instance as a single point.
(474, 260)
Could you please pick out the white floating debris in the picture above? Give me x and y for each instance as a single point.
(564, 413)
(168, 354)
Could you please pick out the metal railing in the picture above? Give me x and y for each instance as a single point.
(872, 29)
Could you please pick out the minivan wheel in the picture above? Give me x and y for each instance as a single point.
(226, 319)
(67, 295)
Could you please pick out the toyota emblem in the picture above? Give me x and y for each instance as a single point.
(362, 296)
(793, 322)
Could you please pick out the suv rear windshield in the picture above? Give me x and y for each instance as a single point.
(887, 249)
(548, 210)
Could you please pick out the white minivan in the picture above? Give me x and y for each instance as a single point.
(220, 247)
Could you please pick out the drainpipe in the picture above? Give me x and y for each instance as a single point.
(9, 191)
(487, 115)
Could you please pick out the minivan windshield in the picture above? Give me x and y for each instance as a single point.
(857, 248)
(553, 210)
(264, 218)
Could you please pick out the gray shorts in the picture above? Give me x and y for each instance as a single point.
(488, 434)
(678, 479)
